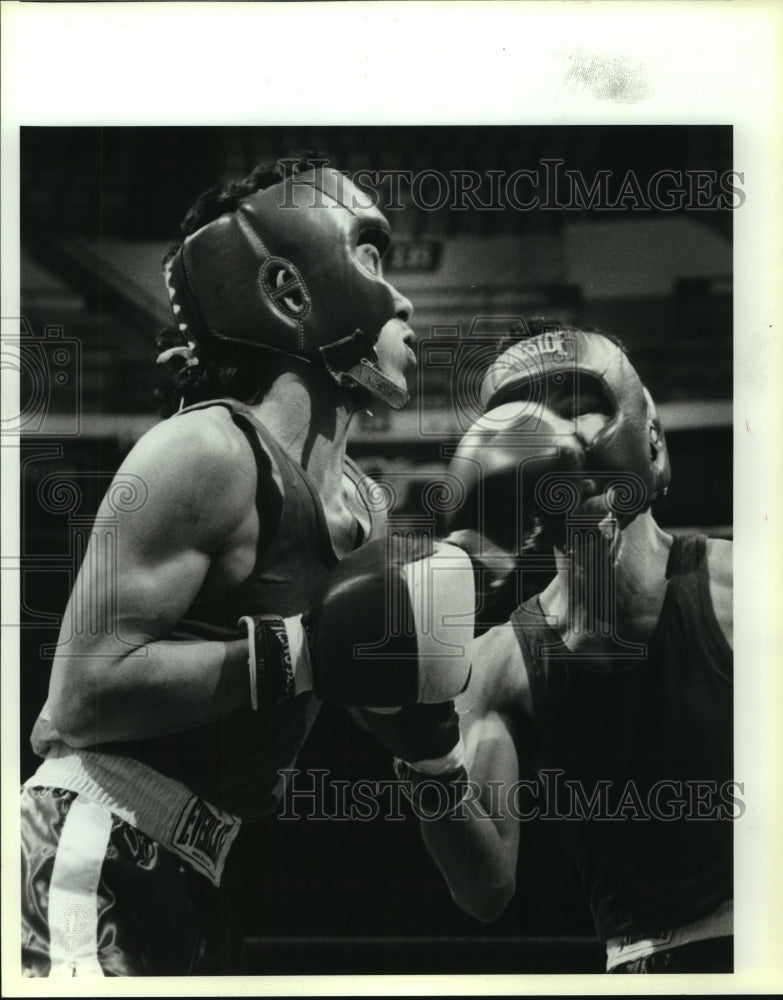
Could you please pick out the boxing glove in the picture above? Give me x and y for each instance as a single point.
(519, 471)
(390, 625)
(429, 755)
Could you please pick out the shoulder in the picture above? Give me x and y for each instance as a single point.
(720, 561)
(205, 446)
(209, 436)
(194, 463)
(720, 567)
(499, 680)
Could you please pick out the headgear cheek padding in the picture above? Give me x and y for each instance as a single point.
(281, 272)
(631, 442)
(630, 446)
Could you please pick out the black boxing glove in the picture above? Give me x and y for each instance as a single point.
(429, 755)
(519, 470)
(390, 625)
(415, 733)
(627, 456)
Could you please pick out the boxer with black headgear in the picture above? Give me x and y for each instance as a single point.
(295, 269)
(541, 397)
(170, 719)
(621, 668)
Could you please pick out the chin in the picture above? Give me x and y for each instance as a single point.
(398, 378)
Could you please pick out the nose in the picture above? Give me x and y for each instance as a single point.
(588, 425)
(403, 306)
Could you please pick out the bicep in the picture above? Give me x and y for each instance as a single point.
(493, 768)
(119, 673)
(162, 561)
(144, 565)
(135, 581)
(493, 707)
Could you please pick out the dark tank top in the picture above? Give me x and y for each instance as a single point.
(642, 736)
(235, 761)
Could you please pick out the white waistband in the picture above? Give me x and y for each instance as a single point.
(162, 808)
(719, 923)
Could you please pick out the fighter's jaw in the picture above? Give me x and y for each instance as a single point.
(394, 352)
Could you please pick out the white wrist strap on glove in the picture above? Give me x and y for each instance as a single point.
(300, 654)
(452, 761)
(252, 663)
(438, 787)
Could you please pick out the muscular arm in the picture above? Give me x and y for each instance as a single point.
(124, 678)
(478, 855)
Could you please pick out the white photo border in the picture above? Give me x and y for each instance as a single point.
(452, 63)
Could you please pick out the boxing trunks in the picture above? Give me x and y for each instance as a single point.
(101, 898)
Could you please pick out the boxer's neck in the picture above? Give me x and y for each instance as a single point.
(309, 418)
(638, 566)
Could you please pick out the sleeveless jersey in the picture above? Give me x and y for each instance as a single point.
(234, 762)
(650, 740)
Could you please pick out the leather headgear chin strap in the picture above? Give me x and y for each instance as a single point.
(281, 273)
(629, 453)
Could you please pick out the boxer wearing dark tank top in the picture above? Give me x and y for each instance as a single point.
(613, 686)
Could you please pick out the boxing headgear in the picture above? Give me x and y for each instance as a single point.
(631, 445)
(281, 273)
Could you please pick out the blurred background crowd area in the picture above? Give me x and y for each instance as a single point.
(100, 206)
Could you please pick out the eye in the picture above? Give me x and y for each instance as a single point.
(571, 397)
(369, 258)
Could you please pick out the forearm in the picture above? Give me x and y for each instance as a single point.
(475, 843)
(476, 859)
(153, 689)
